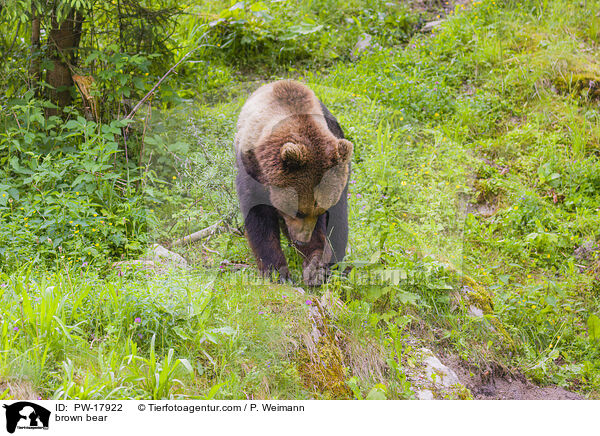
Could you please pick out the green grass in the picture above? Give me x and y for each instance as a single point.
(476, 164)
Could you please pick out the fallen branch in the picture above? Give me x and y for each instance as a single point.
(141, 102)
(211, 230)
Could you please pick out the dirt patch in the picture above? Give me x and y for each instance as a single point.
(495, 384)
(486, 208)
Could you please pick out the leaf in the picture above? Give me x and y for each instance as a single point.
(213, 391)
(211, 338)
(72, 125)
(238, 5)
(179, 147)
(228, 331)
(373, 293)
(181, 333)
(300, 29)
(504, 278)
(186, 363)
(353, 385)
(552, 238)
(258, 6)
(554, 176)
(92, 57)
(407, 297)
(593, 324)
(377, 393)
(305, 28)
(375, 257)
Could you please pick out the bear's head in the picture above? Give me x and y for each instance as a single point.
(305, 169)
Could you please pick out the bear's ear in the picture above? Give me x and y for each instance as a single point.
(294, 155)
(344, 150)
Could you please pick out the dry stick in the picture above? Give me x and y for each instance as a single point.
(17, 120)
(144, 132)
(209, 250)
(14, 39)
(215, 228)
(141, 102)
(140, 181)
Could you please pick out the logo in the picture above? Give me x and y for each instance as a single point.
(26, 415)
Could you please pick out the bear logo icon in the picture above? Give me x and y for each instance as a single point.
(24, 414)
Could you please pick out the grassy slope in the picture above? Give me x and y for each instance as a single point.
(476, 165)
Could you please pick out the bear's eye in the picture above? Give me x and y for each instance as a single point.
(300, 215)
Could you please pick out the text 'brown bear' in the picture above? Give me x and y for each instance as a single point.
(293, 165)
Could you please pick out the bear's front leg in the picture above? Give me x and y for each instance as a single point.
(315, 267)
(262, 231)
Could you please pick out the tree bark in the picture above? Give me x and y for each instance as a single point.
(63, 40)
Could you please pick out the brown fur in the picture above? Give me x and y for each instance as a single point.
(319, 151)
(293, 95)
(288, 153)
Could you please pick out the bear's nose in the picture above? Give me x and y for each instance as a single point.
(300, 243)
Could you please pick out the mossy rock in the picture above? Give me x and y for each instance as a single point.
(479, 297)
(324, 370)
(577, 75)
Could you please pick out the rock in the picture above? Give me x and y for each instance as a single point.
(437, 372)
(160, 261)
(430, 379)
(363, 43)
(585, 251)
(425, 394)
(475, 311)
(165, 257)
(428, 27)
(477, 300)
(137, 264)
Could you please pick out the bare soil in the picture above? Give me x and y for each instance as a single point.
(493, 385)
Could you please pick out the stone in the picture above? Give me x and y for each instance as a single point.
(163, 256)
(475, 311)
(428, 27)
(585, 251)
(363, 43)
(425, 394)
(437, 372)
(159, 261)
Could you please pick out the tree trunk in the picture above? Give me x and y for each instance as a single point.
(63, 40)
(34, 66)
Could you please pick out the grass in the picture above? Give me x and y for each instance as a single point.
(475, 182)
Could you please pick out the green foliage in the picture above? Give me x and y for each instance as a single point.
(593, 324)
(473, 202)
(62, 200)
(273, 32)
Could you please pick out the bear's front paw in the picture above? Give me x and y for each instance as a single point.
(284, 275)
(315, 272)
(280, 274)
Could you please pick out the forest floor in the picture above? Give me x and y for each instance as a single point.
(473, 209)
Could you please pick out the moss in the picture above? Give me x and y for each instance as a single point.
(324, 370)
(578, 75)
(480, 297)
(459, 392)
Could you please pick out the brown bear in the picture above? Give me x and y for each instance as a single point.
(293, 165)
